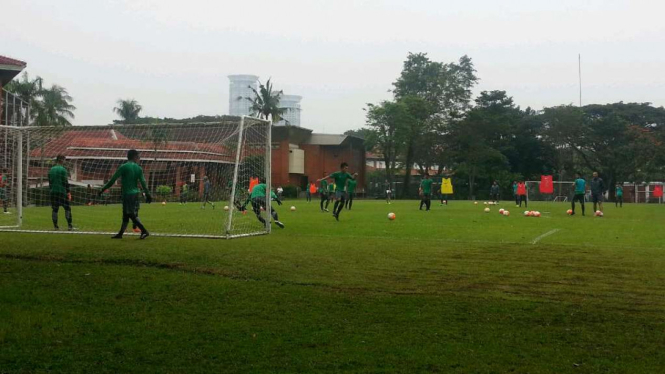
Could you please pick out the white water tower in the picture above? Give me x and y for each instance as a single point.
(239, 91)
(292, 113)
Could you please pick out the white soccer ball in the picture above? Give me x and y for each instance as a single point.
(485, 203)
(526, 213)
(293, 209)
(501, 211)
(599, 213)
(391, 216)
(536, 214)
(475, 203)
(226, 208)
(487, 210)
(506, 213)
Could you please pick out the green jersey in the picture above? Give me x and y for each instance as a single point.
(3, 181)
(580, 186)
(324, 186)
(619, 191)
(57, 179)
(331, 187)
(426, 186)
(131, 174)
(340, 178)
(351, 187)
(260, 191)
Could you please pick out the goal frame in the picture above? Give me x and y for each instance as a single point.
(226, 228)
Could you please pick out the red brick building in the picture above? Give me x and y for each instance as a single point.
(300, 156)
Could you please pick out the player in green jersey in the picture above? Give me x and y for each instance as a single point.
(340, 177)
(60, 196)
(579, 186)
(323, 191)
(3, 190)
(619, 196)
(426, 192)
(350, 193)
(131, 175)
(259, 201)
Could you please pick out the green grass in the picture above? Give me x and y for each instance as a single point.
(451, 290)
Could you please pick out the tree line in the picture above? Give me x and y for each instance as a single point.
(433, 124)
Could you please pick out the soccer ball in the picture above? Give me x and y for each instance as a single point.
(163, 202)
(293, 209)
(226, 208)
(599, 213)
(501, 211)
(506, 213)
(526, 213)
(475, 203)
(536, 214)
(487, 210)
(391, 216)
(569, 212)
(485, 203)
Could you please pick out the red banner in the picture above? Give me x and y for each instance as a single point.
(658, 191)
(546, 185)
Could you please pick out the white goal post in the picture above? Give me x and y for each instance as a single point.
(198, 174)
(563, 191)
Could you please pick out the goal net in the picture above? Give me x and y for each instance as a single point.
(563, 191)
(198, 174)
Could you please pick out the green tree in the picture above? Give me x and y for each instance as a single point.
(386, 122)
(26, 89)
(54, 107)
(438, 94)
(128, 110)
(480, 140)
(265, 103)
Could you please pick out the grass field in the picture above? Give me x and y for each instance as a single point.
(453, 290)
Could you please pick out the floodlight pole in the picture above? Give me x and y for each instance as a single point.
(579, 67)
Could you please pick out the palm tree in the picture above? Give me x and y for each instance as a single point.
(128, 110)
(26, 89)
(265, 103)
(54, 107)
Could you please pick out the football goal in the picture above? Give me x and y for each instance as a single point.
(198, 174)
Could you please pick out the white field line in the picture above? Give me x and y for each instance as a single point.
(537, 239)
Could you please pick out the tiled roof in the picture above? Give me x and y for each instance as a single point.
(10, 61)
(110, 144)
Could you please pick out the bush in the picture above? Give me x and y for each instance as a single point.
(290, 191)
(163, 191)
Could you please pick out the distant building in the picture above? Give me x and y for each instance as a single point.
(300, 156)
(240, 88)
(9, 68)
(292, 114)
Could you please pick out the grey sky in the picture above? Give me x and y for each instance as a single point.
(174, 56)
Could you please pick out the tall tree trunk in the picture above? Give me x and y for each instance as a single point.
(472, 181)
(407, 171)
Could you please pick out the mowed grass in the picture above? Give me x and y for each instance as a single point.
(450, 290)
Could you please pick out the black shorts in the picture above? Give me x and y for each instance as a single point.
(258, 203)
(597, 197)
(131, 204)
(59, 200)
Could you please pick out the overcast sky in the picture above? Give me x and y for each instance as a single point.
(174, 56)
